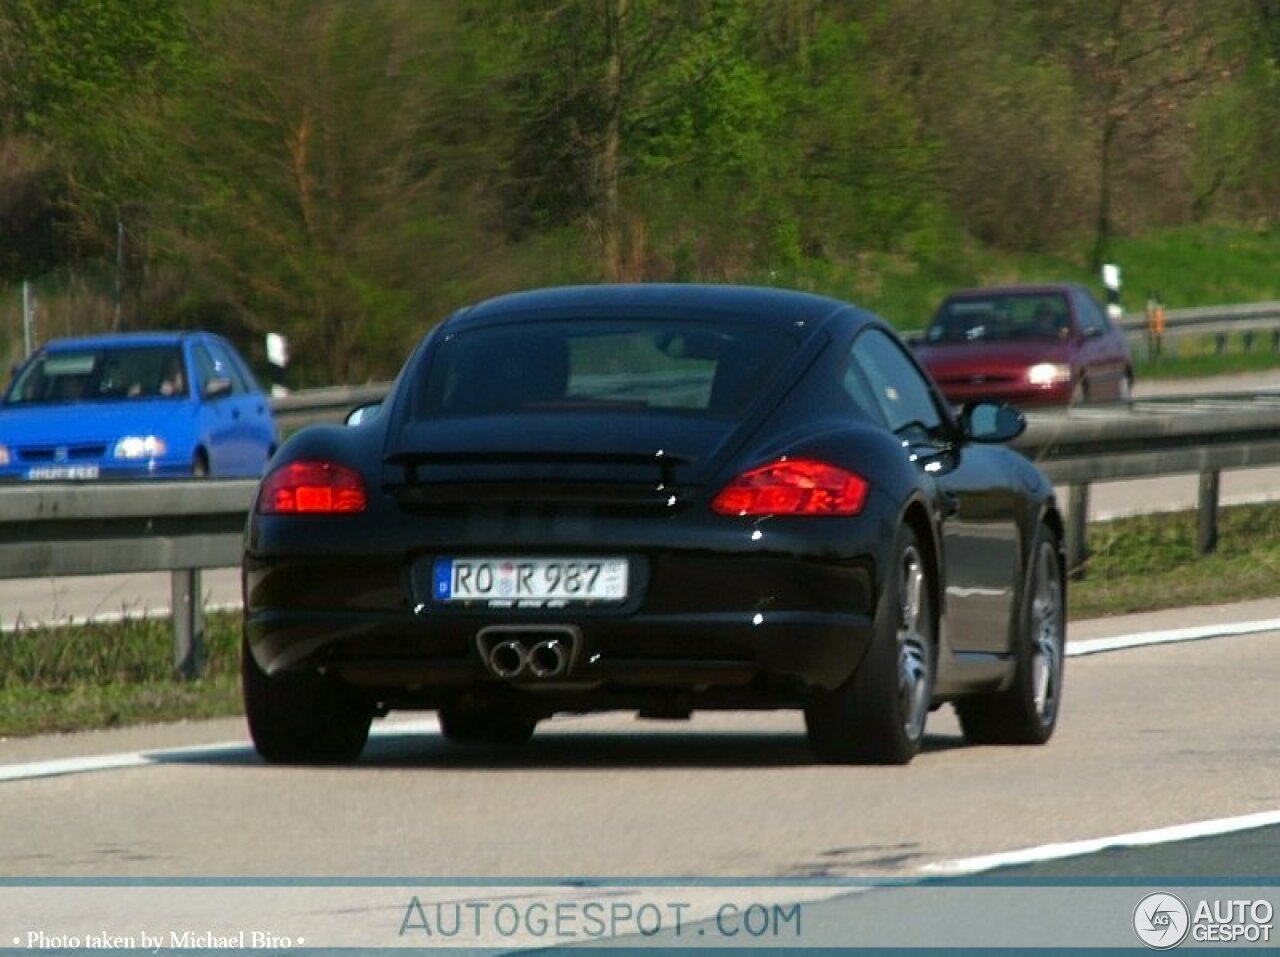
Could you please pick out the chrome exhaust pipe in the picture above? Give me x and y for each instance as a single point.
(548, 659)
(508, 658)
(539, 652)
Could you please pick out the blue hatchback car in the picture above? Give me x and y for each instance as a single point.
(135, 405)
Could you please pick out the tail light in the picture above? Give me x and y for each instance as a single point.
(312, 488)
(793, 487)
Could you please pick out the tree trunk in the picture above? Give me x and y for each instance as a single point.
(1102, 225)
(615, 15)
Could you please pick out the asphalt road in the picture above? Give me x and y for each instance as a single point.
(1165, 769)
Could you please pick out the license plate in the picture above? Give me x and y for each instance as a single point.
(46, 472)
(530, 582)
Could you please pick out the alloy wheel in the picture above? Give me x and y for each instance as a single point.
(913, 645)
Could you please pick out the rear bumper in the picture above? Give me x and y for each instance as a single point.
(768, 659)
(766, 630)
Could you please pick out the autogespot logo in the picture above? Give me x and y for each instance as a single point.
(1161, 921)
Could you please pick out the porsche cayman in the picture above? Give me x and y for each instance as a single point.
(657, 498)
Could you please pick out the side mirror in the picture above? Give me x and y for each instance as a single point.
(217, 387)
(362, 413)
(992, 422)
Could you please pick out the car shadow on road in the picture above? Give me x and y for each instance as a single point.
(557, 751)
(552, 751)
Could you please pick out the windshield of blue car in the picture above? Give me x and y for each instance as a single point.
(549, 366)
(1042, 316)
(107, 374)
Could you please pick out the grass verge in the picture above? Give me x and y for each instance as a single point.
(1149, 562)
(1197, 358)
(104, 675)
(113, 673)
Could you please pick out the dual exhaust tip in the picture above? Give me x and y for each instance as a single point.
(540, 652)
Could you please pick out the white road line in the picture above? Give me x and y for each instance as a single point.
(1056, 852)
(48, 769)
(1095, 646)
(138, 759)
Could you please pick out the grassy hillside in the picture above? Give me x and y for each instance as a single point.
(1188, 266)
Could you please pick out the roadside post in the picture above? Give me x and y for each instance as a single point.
(188, 623)
(1111, 280)
(278, 361)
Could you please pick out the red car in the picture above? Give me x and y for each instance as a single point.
(1026, 345)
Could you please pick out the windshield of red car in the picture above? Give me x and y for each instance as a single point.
(602, 365)
(86, 375)
(1001, 317)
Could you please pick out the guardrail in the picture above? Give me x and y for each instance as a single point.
(1246, 320)
(1202, 434)
(1208, 318)
(323, 405)
(184, 527)
(47, 531)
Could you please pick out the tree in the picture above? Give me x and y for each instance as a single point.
(1237, 126)
(300, 197)
(72, 77)
(1137, 66)
(614, 99)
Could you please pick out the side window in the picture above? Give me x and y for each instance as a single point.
(896, 387)
(247, 378)
(858, 389)
(1092, 318)
(206, 368)
(225, 368)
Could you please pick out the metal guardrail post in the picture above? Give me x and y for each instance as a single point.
(188, 624)
(1077, 529)
(1207, 537)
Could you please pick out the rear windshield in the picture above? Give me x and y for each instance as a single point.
(1014, 316)
(602, 365)
(86, 375)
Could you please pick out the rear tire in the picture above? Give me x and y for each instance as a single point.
(464, 725)
(1027, 711)
(302, 719)
(878, 715)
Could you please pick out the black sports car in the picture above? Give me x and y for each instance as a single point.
(655, 498)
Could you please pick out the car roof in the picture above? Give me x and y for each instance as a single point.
(117, 340)
(801, 312)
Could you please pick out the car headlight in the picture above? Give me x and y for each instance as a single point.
(4, 454)
(139, 447)
(1049, 373)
